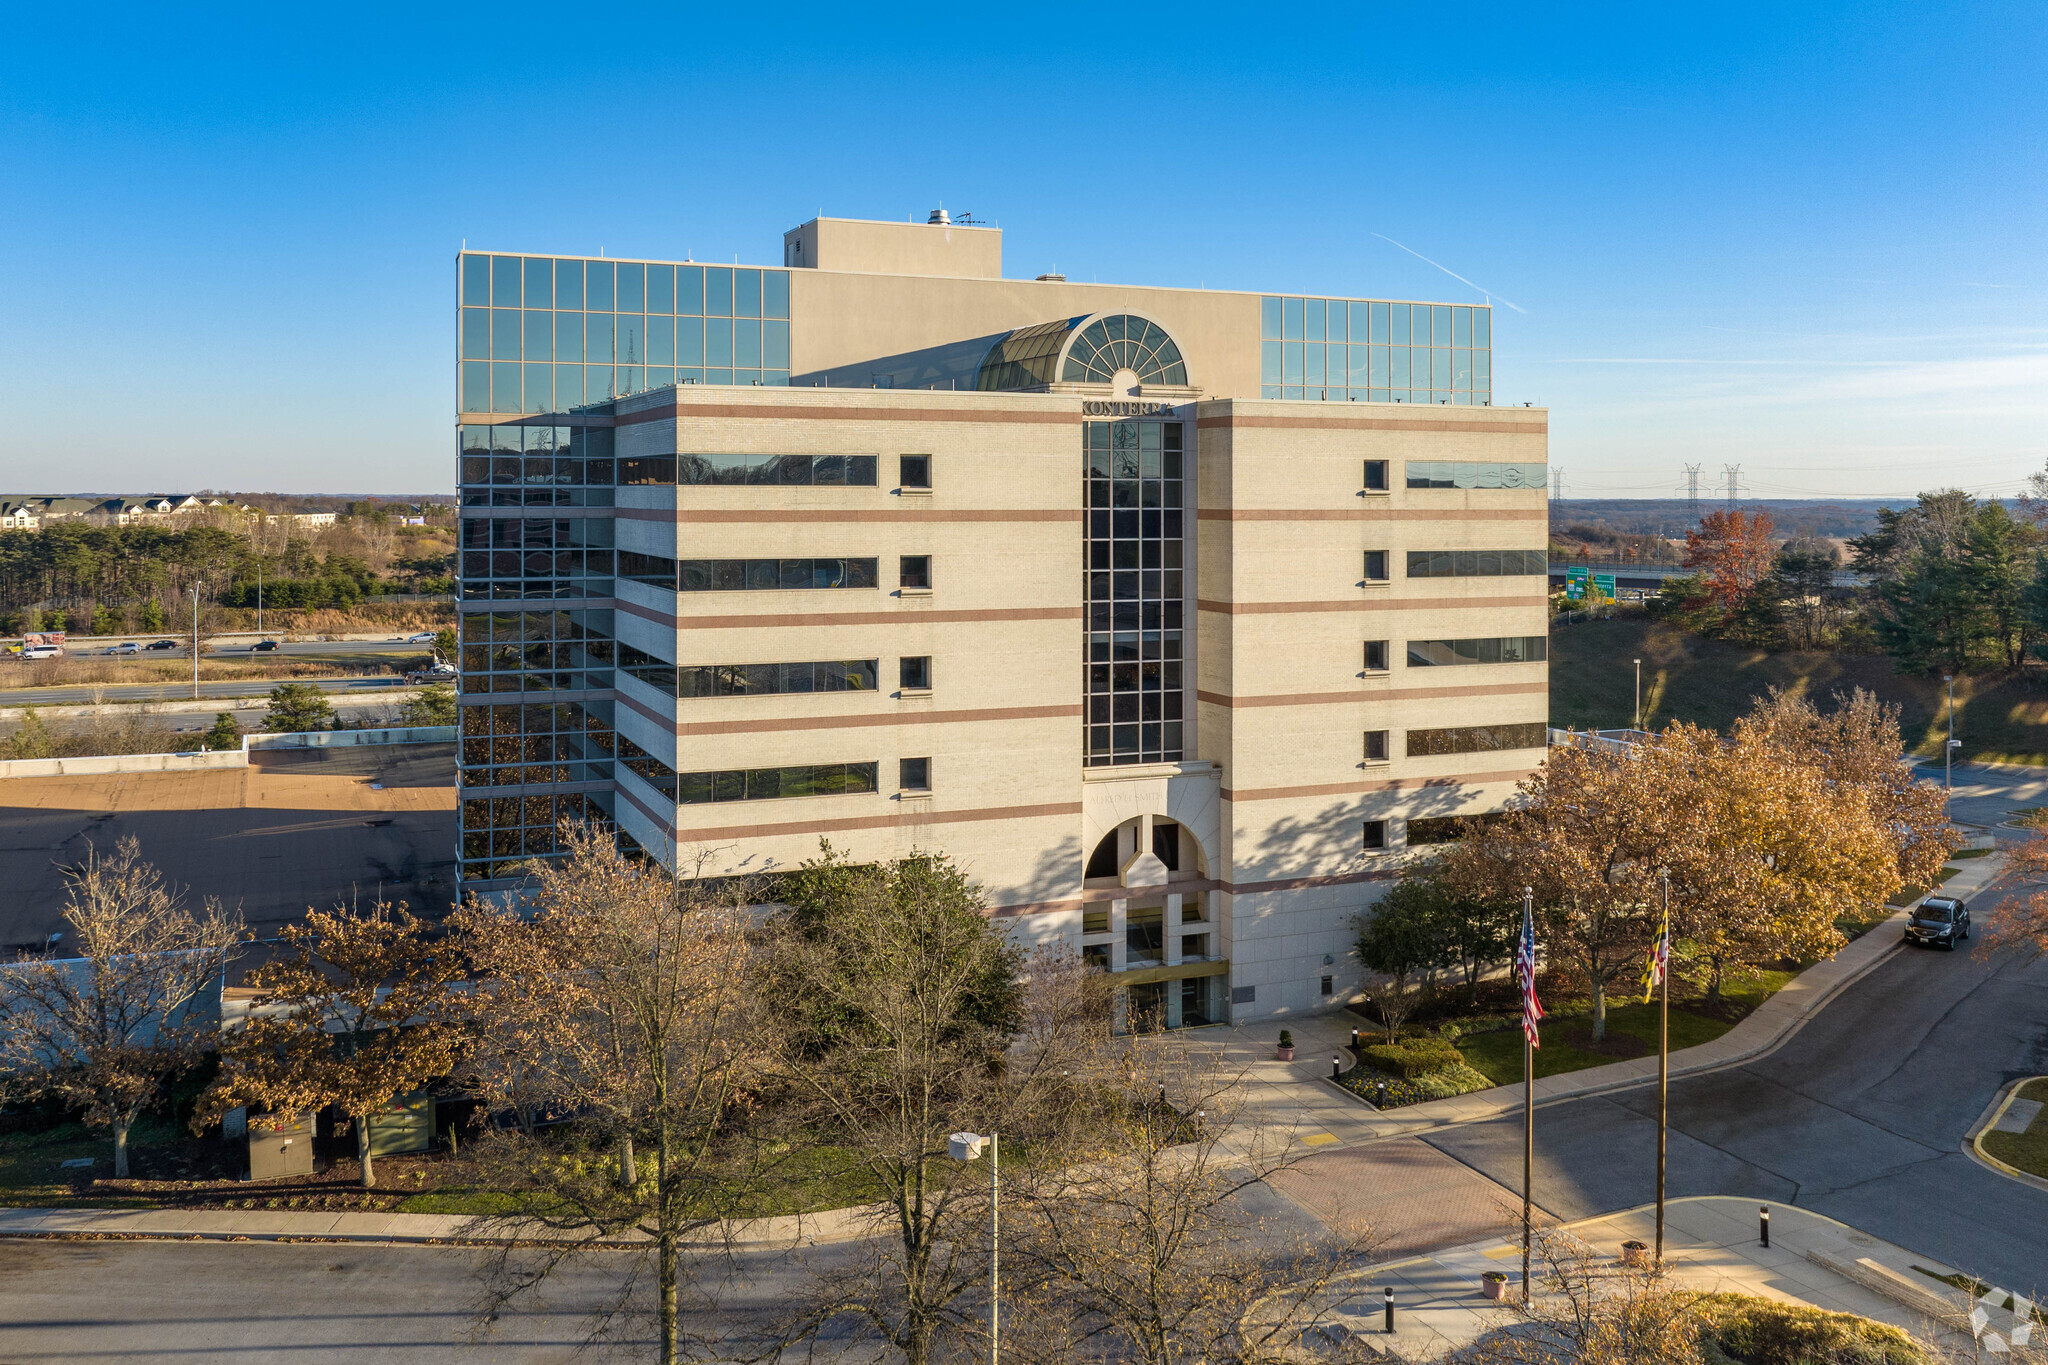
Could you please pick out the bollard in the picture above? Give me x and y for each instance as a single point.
(1763, 1223)
(1354, 1040)
(1336, 1067)
(1383, 1096)
(1390, 1310)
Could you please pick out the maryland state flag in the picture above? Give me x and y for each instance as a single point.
(1660, 960)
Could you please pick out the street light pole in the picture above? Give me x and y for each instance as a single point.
(1663, 1060)
(1948, 751)
(967, 1147)
(195, 642)
(1637, 723)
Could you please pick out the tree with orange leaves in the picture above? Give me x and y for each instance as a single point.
(1733, 549)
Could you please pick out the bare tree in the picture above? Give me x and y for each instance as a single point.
(625, 1002)
(104, 1030)
(902, 1004)
(1138, 1235)
(358, 1014)
(1593, 1310)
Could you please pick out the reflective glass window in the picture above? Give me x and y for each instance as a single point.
(718, 343)
(1398, 329)
(476, 280)
(1290, 319)
(718, 291)
(476, 386)
(540, 335)
(597, 337)
(597, 286)
(746, 295)
(505, 333)
(1461, 326)
(689, 341)
(505, 386)
(505, 285)
(1482, 327)
(775, 293)
(661, 339)
(540, 282)
(476, 333)
(1269, 361)
(632, 287)
(775, 345)
(630, 348)
(690, 289)
(746, 344)
(568, 284)
(1313, 314)
(568, 336)
(1269, 318)
(540, 382)
(568, 386)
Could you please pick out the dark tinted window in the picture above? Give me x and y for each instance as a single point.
(915, 571)
(916, 471)
(916, 673)
(915, 774)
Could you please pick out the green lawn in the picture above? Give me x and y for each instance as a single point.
(1708, 682)
(1498, 1055)
(2029, 1150)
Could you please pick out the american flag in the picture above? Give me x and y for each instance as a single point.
(1525, 972)
(1660, 960)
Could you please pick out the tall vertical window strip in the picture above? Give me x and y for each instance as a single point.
(1369, 351)
(541, 334)
(1134, 591)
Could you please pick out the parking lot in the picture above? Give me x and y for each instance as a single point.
(295, 829)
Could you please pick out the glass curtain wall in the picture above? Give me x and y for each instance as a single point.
(535, 573)
(1366, 351)
(541, 334)
(1134, 591)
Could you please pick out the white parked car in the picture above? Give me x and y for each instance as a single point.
(425, 637)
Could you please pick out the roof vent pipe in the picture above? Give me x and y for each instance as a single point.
(939, 218)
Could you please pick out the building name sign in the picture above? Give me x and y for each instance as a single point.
(1094, 407)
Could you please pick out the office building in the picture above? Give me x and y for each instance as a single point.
(1177, 617)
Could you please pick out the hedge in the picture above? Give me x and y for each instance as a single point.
(1410, 1060)
(1752, 1331)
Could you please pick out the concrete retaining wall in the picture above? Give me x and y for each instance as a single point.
(230, 758)
(122, 763)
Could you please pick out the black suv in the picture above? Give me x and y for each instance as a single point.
(1939, 919)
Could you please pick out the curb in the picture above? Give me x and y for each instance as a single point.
(1678, 1072)
(1973, 1141)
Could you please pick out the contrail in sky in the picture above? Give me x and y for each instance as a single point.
(1454, 274)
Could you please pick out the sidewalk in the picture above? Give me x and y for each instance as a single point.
(1710, 1244)
(1298, 1097)
(258, 1225)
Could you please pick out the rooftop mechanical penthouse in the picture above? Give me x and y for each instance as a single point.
(1178, 617)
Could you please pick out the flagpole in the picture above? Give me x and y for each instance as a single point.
(1528, 1098)
(1663, 1060)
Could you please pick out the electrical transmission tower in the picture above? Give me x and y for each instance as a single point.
(1733, 473)
(1692, 491)
(1556, 491)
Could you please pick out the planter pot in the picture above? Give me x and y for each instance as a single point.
(1494, 1285)
(1285, 1054)
(1635, 1253)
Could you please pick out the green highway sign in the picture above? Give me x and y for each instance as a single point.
(1603, 583)
(1575, 583)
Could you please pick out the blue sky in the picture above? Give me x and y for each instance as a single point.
(1805, 239)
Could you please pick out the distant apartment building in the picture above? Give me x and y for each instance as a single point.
(304, 521)
(1177, 617)
(29, 513)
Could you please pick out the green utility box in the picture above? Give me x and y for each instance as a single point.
(406, 1125)
(280, 1145)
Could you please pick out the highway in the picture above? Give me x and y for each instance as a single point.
(94, 693)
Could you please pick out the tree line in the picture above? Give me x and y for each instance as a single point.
(93, 579)
(1951, 584)
(1765, 838)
